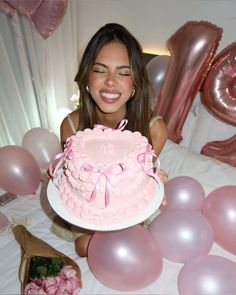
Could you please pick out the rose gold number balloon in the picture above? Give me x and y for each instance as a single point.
(192, 49)
(219, 96)
(219, 88)
(224, 150)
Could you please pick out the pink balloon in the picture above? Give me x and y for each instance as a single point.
(3, 221)
(184, 192)
(182, 234)
(220, 209)
(43, 144)
(19, 173)
(48, 16)
(208, 275)
(192, 48)
(157, 68)
(125, 260)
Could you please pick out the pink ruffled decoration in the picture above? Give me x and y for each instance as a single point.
(25, 7)
(46, 15)
(6, 8)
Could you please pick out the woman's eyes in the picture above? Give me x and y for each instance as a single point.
(119, 72)
(99, 71)
(124, 74)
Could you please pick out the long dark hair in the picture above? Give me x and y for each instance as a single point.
(137, 111)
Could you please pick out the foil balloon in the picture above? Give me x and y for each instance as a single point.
(220, 210)
(125, 260)
(19, 173)
(218, 92)
(222, 150)
(48, 16)
(209, 274)
(182, 234)
(192, 49)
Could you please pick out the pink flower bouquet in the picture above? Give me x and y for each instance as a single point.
(65, 282)
(43, 269)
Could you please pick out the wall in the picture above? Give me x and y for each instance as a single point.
(154, 21)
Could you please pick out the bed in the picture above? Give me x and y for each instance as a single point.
(176, 159)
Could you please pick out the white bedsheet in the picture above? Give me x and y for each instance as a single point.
(175, 159)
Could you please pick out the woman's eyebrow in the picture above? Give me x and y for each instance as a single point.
(105, 66)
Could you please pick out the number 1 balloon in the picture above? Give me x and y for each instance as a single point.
(192, 49)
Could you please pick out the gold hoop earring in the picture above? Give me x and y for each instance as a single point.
(133, 93)
(87, 88)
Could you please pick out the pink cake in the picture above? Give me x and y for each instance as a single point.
(108, 175)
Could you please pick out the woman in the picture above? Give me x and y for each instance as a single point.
(113, 85)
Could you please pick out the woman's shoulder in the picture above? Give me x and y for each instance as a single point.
(73, 116)
(69, 125)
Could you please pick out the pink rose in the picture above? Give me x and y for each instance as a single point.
(51, 285)
(72, 286)
(33, 289)
(66, 283)
(67, 272)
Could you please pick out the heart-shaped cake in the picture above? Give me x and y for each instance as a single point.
(108, 175)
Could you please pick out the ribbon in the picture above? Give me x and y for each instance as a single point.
(121, 125)
(67, 154)
(142, 160)
(106, 172)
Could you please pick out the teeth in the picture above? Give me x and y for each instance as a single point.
(110, 95)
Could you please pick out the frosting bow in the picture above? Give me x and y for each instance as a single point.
(66, 154)
(121, 125)
(114, 169)
(142, 160)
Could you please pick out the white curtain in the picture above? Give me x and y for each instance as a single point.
(36, 75)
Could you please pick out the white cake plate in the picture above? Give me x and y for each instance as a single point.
(64, 213)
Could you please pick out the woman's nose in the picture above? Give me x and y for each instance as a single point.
(110, 79)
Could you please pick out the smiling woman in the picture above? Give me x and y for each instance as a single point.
(114, 85)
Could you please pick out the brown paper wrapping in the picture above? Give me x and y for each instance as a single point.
(32, 246)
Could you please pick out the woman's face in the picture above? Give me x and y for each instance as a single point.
(110, 80)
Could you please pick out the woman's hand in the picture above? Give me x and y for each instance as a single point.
(164, 177)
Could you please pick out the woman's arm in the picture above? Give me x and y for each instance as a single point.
(159, 134)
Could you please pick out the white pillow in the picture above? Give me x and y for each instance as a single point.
(178, 160)
(202, 127)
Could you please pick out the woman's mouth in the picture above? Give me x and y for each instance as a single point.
(110, 97)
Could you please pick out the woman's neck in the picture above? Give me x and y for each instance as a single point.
(110, 120)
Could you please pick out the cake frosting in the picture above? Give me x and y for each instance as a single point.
(107, 176)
